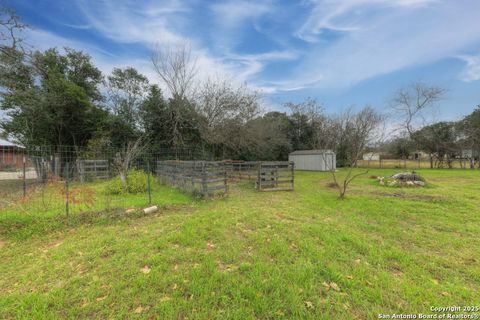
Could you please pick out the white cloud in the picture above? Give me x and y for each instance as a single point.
(239, 68)
(411, 33)
(152, 24)
(471, 71)
(43, 40)
(365, 38)
(348, 15)
(104, 60)
(231, 14)
(131, 21)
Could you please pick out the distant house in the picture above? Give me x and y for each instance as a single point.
(375, 156)
(419, 155)
(11, 155)
(313, 160)
(469, 154)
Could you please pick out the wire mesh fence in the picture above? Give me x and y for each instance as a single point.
(414, 164)
(52, 180)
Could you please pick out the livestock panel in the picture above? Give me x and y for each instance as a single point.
(275, 176)
(92, 169)
(201, 177)
(243, 170)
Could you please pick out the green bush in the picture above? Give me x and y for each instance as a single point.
(137, 182)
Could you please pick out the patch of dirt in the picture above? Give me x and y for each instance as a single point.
(223, 268)
(331, 185)
(53, 245)
(2, 243)
(469, 261)
(401, 195)
(283, 217)
(396, 270)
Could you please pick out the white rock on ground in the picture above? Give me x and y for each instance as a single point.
(149, 210)
(407, 176)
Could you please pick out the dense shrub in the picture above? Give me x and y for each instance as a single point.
(137, 182)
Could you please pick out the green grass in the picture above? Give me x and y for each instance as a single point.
(256, 255)
(44, 209)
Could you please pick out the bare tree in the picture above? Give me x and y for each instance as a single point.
(176, 67)
(225, 110)
(412, 103)
(124, 158)
(352, 132)
(11, 26)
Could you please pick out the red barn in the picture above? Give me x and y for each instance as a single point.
(11, 155)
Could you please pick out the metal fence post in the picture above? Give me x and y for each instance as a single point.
(148, 181)
(204, 180)
(24, 179)
(66, 190)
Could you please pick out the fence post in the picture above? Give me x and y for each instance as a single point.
(293, 174)
(225, 177)
(24, 179)
(259, 181)
(204, 180)
(148, 181)
(66, 189)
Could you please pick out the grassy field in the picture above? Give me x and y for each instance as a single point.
(293, 255)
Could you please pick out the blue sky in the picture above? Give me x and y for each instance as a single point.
(342, 52)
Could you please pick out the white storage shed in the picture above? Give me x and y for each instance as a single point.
(313, 160)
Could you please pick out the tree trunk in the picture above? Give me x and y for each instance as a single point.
(123, 179)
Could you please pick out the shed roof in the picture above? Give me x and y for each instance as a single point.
(5, 143)
(311, 152)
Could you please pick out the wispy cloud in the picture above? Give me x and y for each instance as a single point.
(349, 15)
(392, 38)
(133, 22)
(77, 26)
(153, 25)
(273, 46)
(231, 14)
(471, 72)
(43, 40)
(106, 61)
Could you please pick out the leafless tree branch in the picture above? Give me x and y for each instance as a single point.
(125, 157)
(177, 68)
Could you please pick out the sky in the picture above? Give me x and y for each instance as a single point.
(343, 53)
